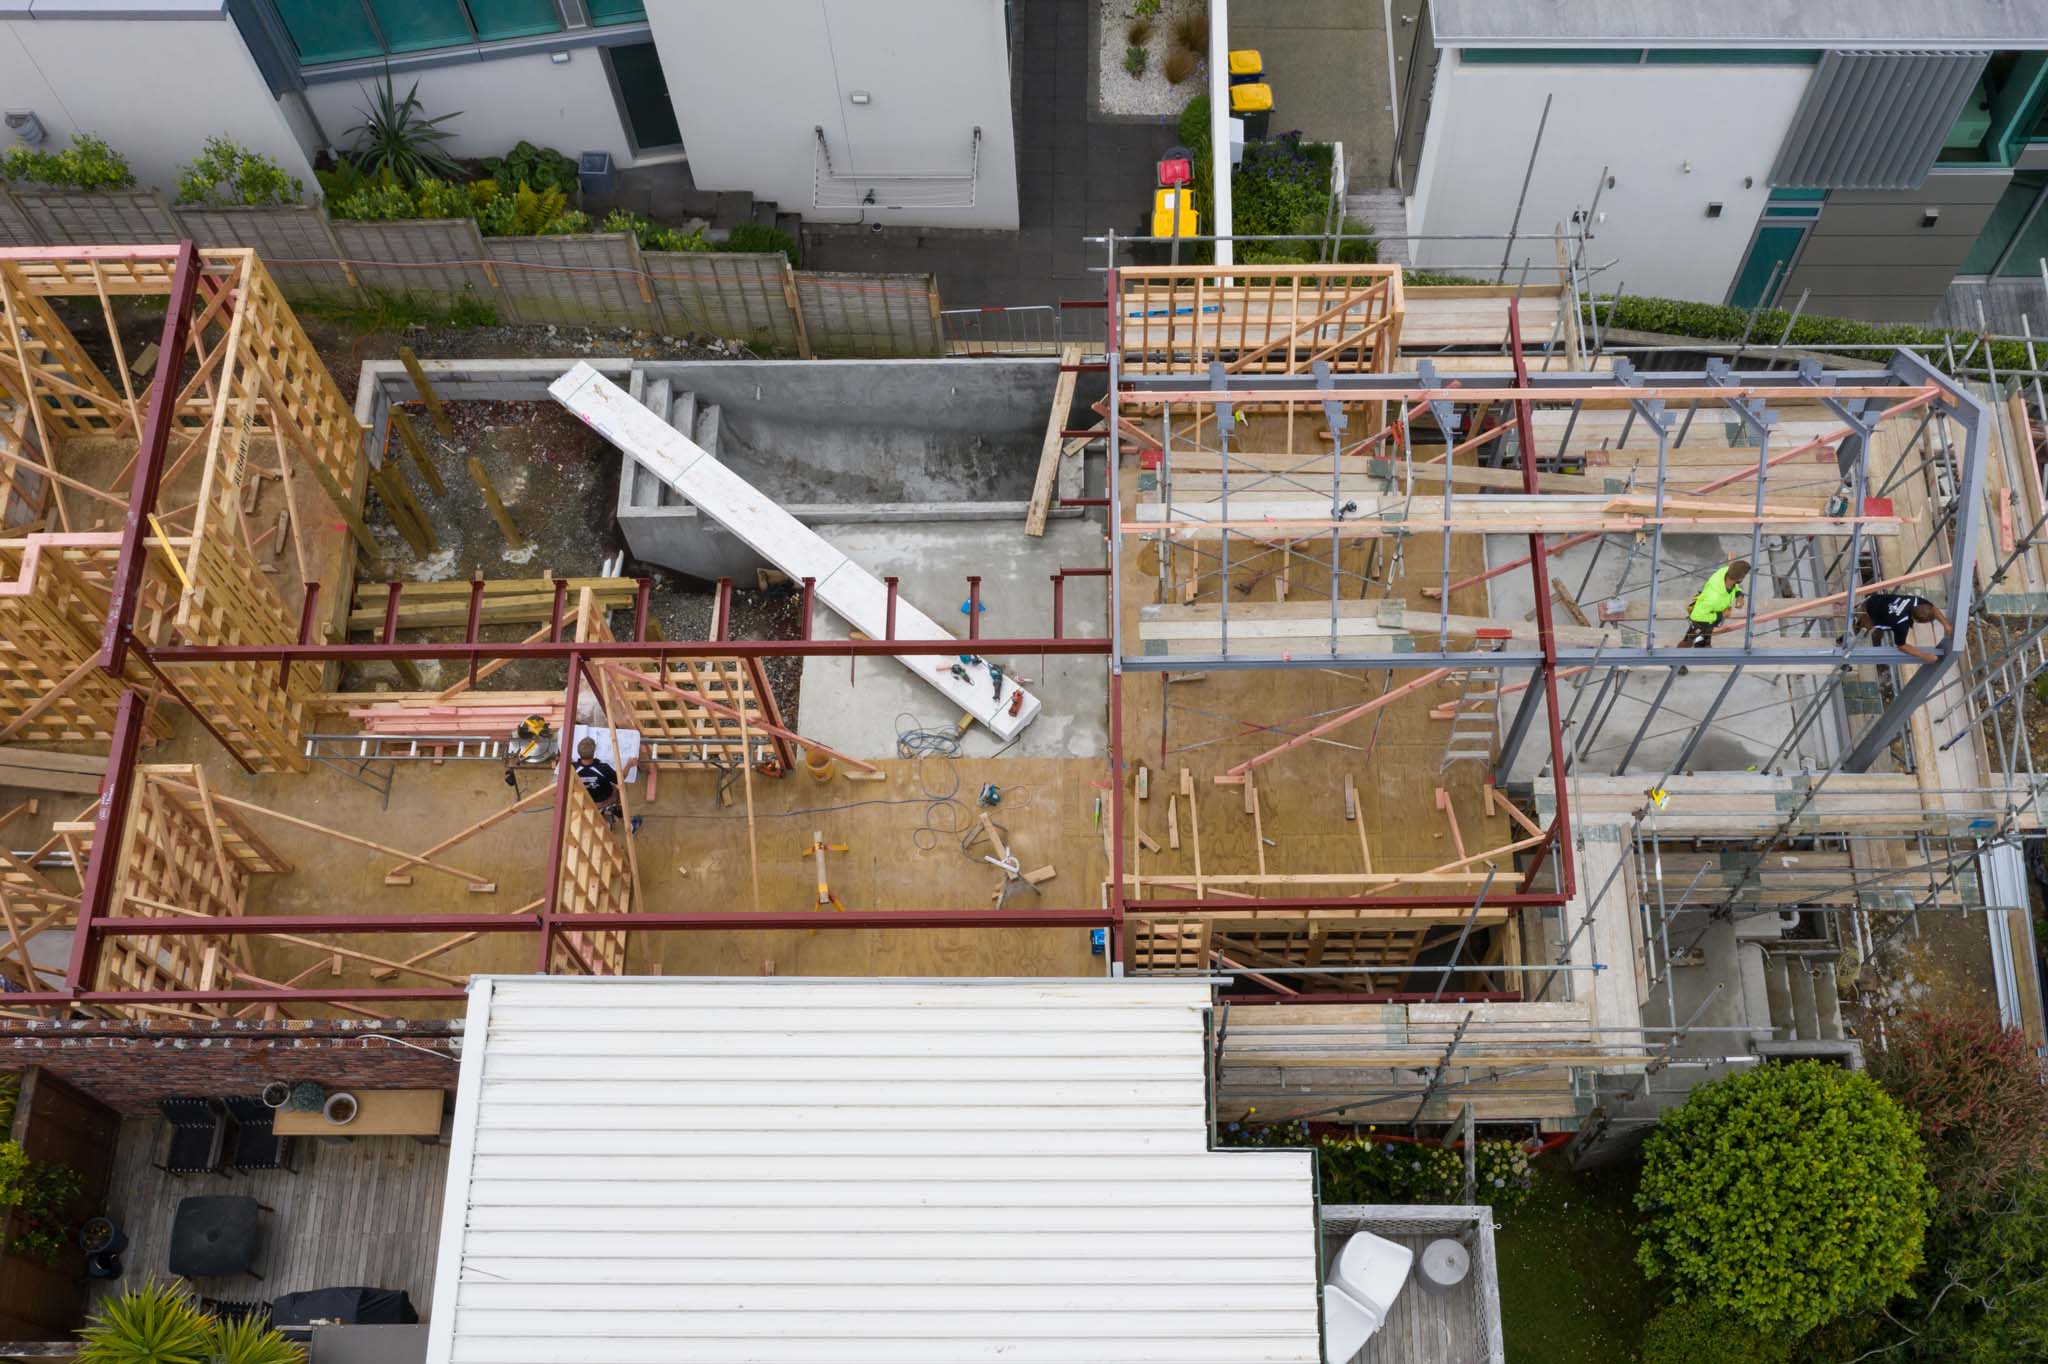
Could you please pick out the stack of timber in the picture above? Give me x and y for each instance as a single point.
(483, 715)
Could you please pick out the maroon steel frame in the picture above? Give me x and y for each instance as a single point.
(118, 640)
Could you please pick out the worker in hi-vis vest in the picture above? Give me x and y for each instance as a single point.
(1717, 597)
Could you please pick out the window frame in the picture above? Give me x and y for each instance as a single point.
(575, 28)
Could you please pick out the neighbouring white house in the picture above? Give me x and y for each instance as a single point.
(891, 111)
(1866, 157)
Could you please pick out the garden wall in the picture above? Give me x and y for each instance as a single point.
(594, 280)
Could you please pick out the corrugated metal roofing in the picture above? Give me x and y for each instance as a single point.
(1983, 24)
(1875, 120)
(782, 1171)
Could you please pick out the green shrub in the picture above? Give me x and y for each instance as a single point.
(1711, 322)
(1134, 60)
(1138, 32)
(1146, 9)
(159, 1323)
(41, 1193)
(344, 181)
(542, 167)
(761, 237)
(154, 1324)
(1693, 1333)
(1193, 128)
(1364, 1169)
(527, 213)
(1984, 1299)
(1786, 1196)
(652, 236)
(394, 139)
(87, 164)
(1191, 32)
(1178, 66)
(10, 1094)
(226, 172)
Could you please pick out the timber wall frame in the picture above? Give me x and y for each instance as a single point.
(1316, 393)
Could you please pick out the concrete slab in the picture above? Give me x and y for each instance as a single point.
(1327, 63)
(858, 706)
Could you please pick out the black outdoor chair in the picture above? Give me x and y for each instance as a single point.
(199, 1131)
(256, 1146)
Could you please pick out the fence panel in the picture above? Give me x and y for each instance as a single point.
(73, 219)
(727, 294)
(874, 315)
(437, 259)
(294, 243)
(15, 228)
(591, 281)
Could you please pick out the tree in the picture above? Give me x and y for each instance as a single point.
(1984, 1298)
(1785, 1196)
(1977, 1089)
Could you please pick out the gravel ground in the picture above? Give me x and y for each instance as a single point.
(1148, 92)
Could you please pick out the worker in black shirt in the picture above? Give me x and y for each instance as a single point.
(601, 780)
(1891, 616)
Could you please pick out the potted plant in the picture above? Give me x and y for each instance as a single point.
(308, 1096)
(277, 1094)
(340, 1109)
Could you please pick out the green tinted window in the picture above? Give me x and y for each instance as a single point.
(514, 18)
(413, 25)
(616, 11)
(2016, 232)
(328, 30)
(1552, 56)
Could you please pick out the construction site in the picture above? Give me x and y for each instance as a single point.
(1288, 628)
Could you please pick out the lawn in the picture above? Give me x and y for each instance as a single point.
(1570, 1292)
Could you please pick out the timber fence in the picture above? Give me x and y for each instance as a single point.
(594, 280)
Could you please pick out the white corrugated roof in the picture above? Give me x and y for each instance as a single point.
(781, 1171)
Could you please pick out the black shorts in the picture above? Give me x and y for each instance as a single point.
(1894, 635)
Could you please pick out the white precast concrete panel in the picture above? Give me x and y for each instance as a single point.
(1676, 137)
(567, 106)
(155, 89)
(793, 1171)
(849, 590)
(752, 82)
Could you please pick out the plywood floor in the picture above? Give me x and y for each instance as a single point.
(901, 835)
(367, 1213)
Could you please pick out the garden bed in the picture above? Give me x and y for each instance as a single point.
(1129, 87)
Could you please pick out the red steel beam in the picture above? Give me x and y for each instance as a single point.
(650, 921)
(1380, 997)
(1546, 632)
(602, 650)
(149, 461)
(96, 888)
(1252, 908)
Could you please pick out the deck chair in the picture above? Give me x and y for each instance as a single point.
(256, 1146)
(198, 1136)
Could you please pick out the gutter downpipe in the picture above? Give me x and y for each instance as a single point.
(1219, 126)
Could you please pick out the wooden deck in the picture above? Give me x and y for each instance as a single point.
(1426, 1327)
(363, 1214)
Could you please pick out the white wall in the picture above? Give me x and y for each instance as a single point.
(567, 107)
(154, 89)
(750, 81)
(1646, 123)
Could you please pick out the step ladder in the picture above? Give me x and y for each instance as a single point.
(1475, 718)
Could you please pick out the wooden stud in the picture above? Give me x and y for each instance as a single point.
(1143, 781)
(417, 448)
(1150, 843)
(365, 541)
(492, 504)
(1350, 797)
(1049, 450)
(426, 391)
(1173, 822)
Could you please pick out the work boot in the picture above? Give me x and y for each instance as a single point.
(638, 820)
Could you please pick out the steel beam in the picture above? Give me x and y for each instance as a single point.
(122, 595)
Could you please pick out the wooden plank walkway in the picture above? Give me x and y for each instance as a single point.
(363, 1214)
